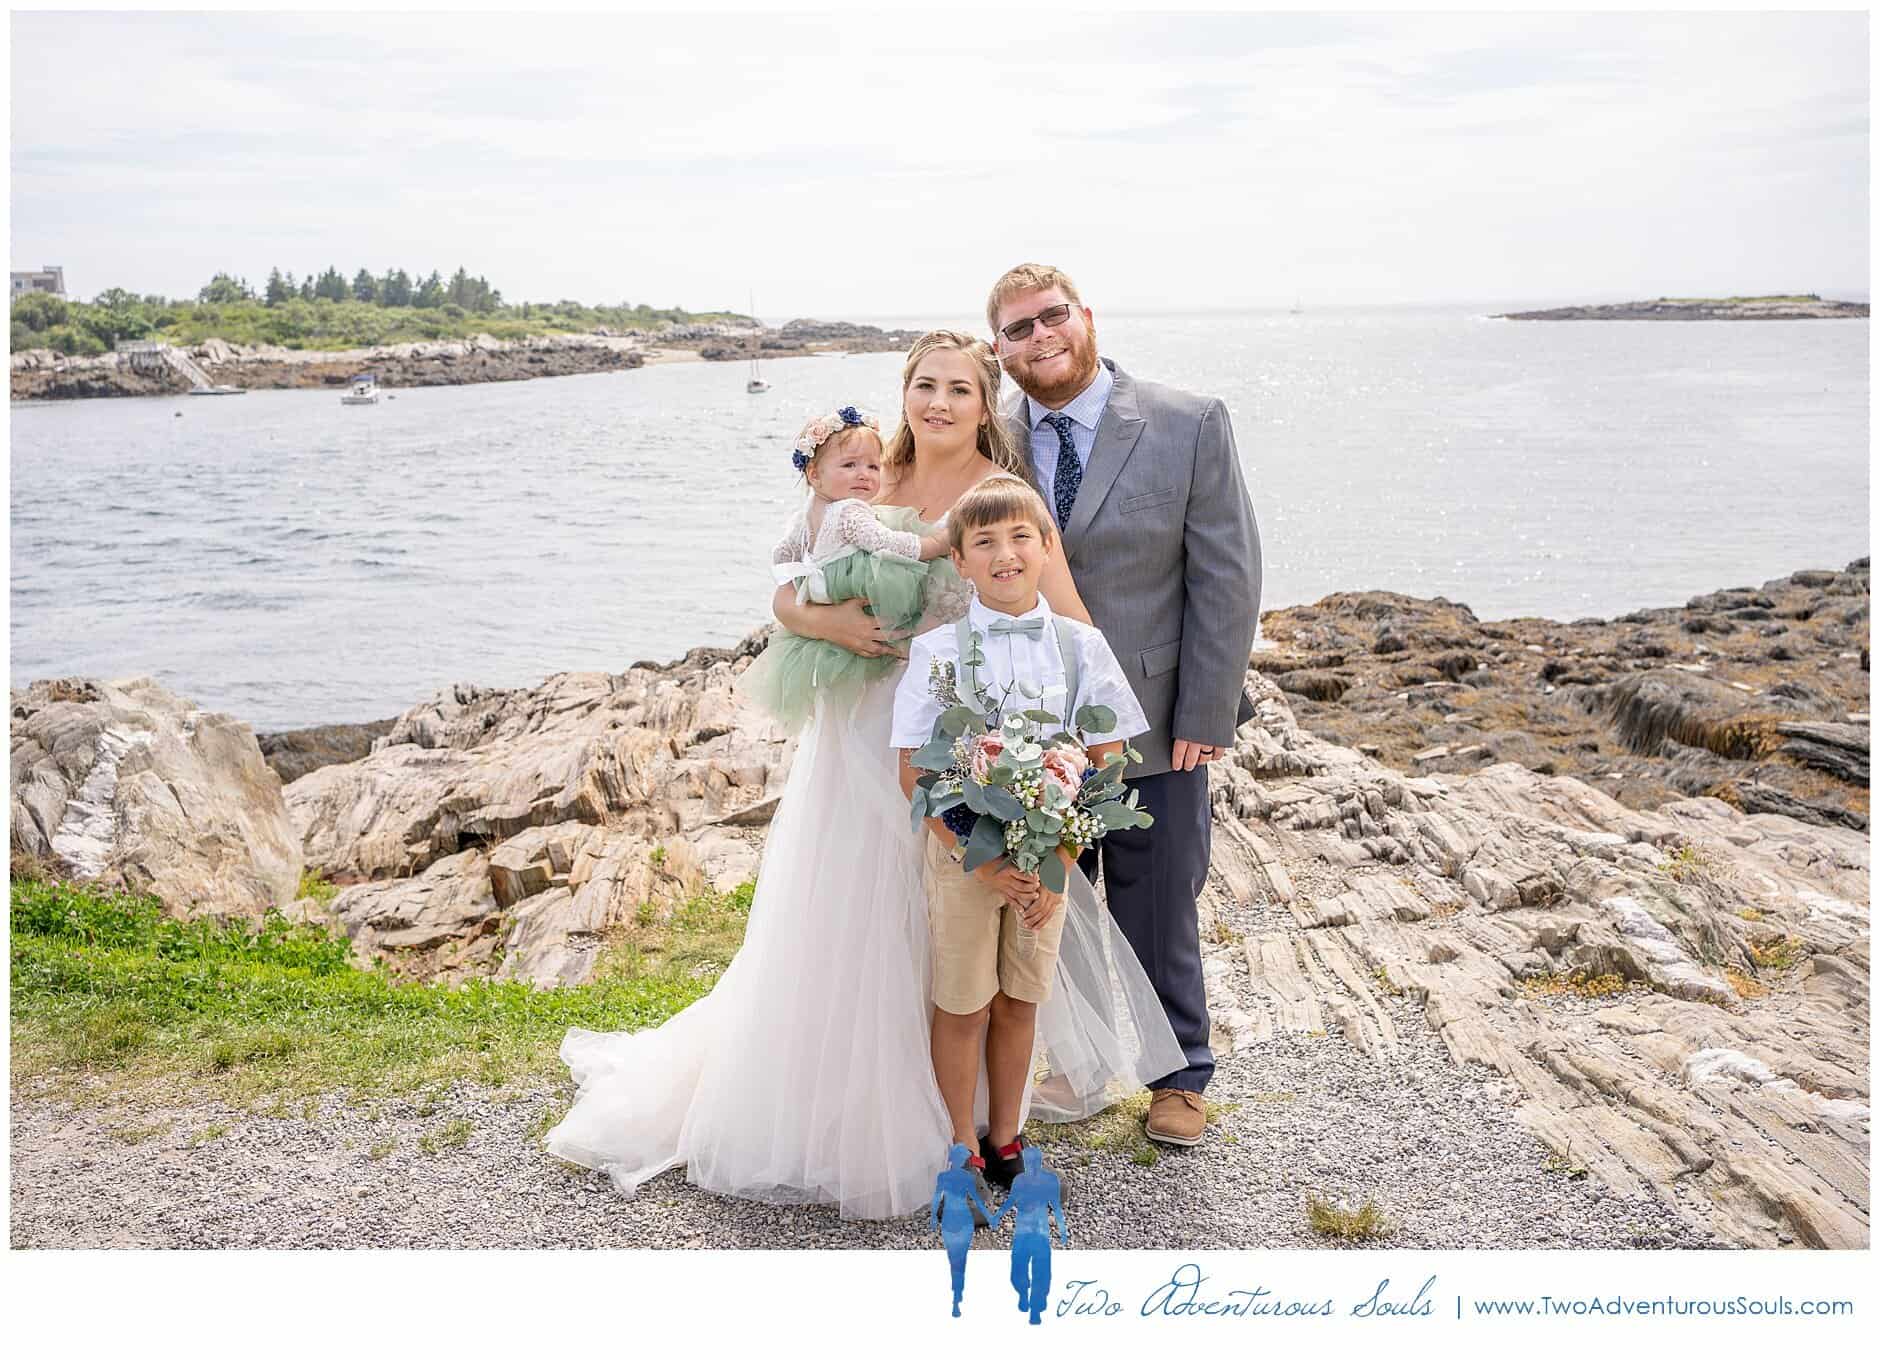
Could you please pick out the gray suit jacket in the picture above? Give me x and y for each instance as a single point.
(1164, 549)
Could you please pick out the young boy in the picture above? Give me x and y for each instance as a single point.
(983, 982)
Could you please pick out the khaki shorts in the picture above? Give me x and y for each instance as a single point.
(975, 940)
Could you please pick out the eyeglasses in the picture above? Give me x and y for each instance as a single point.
(1051, 316)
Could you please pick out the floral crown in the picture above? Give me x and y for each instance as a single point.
(812, 435)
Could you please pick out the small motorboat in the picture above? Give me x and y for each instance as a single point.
(216, 390)
(363, 392)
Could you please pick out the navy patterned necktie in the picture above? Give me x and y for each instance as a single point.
(1070, 473)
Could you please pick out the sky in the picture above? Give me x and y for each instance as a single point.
(883, 165)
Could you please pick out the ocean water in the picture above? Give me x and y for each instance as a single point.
(292, 561)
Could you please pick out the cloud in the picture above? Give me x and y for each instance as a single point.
(884, 164)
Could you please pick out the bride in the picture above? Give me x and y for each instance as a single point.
(804, 1076)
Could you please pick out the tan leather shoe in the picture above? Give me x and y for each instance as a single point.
(1177, 1117)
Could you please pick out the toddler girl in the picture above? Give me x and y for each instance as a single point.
(838, 547)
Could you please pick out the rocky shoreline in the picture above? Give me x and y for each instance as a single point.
(1669, 997)
(1756, 695)
(1799, 307)
(40, 375)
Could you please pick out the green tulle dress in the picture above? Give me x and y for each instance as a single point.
(792, 670)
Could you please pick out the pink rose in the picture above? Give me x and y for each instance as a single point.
(1065, 768)
(986, 752)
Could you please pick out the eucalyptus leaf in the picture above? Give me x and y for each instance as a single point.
(946, 802)
(1096, 718)
(1040, 820)
(1051, 873)
(1004, 806)
(975, 797)
(1055, 798)
(986, 844)
(936, 755)
(1040, 715)
(957, 719)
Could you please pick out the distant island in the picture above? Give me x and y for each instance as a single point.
(411, 330)
(1783, 307)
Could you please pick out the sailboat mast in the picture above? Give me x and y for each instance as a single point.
(751, 299)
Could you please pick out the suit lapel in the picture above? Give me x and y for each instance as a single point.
(1116, 439)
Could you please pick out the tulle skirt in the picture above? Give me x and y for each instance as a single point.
(793, 672)
(804, 1076)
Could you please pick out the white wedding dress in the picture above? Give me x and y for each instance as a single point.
(804, 1076)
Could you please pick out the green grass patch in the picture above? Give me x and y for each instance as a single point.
(1580, 983)
(1768, 297)
(455, 1134)
(1365, 1223)
(1118, 1129)
(1562, 1165)
(550, 1116)
(1778, 954)
(137, 1133)
(315, 886)
(104, 983)
(70, 327)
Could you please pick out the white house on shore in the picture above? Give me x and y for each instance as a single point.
(51, 280)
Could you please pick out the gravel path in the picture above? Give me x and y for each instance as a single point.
(1437, 1146)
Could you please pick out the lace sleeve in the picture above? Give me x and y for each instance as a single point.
(856, 526)
(795, 544)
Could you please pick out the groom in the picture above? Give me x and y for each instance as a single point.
(1161, 541)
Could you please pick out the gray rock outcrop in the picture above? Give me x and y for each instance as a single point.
(1674, 999)
(583, 800)
(123, 783)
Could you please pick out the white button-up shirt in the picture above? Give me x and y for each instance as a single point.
(1012, 659)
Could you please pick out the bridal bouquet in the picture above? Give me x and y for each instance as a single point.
(1020, 785)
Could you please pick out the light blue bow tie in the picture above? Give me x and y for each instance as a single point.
(1031, 628)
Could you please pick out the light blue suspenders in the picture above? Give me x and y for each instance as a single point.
(968, 688)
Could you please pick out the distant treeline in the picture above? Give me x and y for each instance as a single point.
(320, 311)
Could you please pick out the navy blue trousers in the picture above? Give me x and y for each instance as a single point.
(1151, 878)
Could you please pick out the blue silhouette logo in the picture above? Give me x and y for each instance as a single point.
(1036, 1194)
(954, 1197)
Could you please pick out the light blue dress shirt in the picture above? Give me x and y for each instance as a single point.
(1086, 411)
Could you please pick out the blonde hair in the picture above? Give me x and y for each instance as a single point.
(998, 500)
(1026, 278)
(842, 438)
(994, 441)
